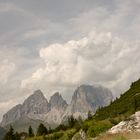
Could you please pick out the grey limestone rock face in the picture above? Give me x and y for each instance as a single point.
(57, 108)
(90, 98)
(33, 105)
(56, 101)
(12, 115)
(36, 106)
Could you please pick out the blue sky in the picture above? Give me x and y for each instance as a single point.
(57, 45)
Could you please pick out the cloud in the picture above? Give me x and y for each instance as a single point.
(110, 59)
(6, 70)
(98, 58)
(11, 7)
(121, 18)
(34, 33)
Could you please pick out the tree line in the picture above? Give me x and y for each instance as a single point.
(12, 135)
(42, 130)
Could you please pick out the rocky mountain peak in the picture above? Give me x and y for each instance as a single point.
(35, 103)
(37, 95)
(36, 106)
(57, 101)
(90, 98)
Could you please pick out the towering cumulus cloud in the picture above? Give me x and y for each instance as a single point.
(96, 58)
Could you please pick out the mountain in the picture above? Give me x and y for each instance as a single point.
(120, 111)
(35, 104)
(129, 125)
(33, 107)
(36, 107)
(57, 108)
(12, 115)
(57, 102)
(2, 133)
(88, 98)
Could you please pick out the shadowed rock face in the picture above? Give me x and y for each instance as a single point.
(90, 98)
(56, 101)
(87, 97)
(37, 107)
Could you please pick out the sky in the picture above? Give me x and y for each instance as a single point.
(57, 45)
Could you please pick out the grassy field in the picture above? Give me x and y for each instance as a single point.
(61, 135)
(67, 136)
(121, 136)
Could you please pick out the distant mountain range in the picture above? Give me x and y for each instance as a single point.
(36, 108)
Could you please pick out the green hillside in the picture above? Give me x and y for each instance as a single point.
(126, 105)
(118, 110)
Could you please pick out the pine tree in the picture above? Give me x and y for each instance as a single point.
(71, 121)
(89, 115)
(30, 132)
(42, 130)
(17, 136)
(10, 134)
(50, 130)
(80, 120)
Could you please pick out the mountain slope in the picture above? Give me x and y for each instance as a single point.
(118, 110)
(126, 105)
(32, 107)
(12, 115)
(56, 111)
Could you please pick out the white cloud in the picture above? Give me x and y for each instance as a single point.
(6, 70)
(98, 58)
(11, 7)
(34, 33)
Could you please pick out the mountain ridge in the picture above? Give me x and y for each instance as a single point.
(37, 107)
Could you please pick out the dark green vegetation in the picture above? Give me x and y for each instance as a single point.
(11, 135)
(42, 130)
(104, 118)
(23, 124)
(126, 105)
(119, 110)
(30, 132)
